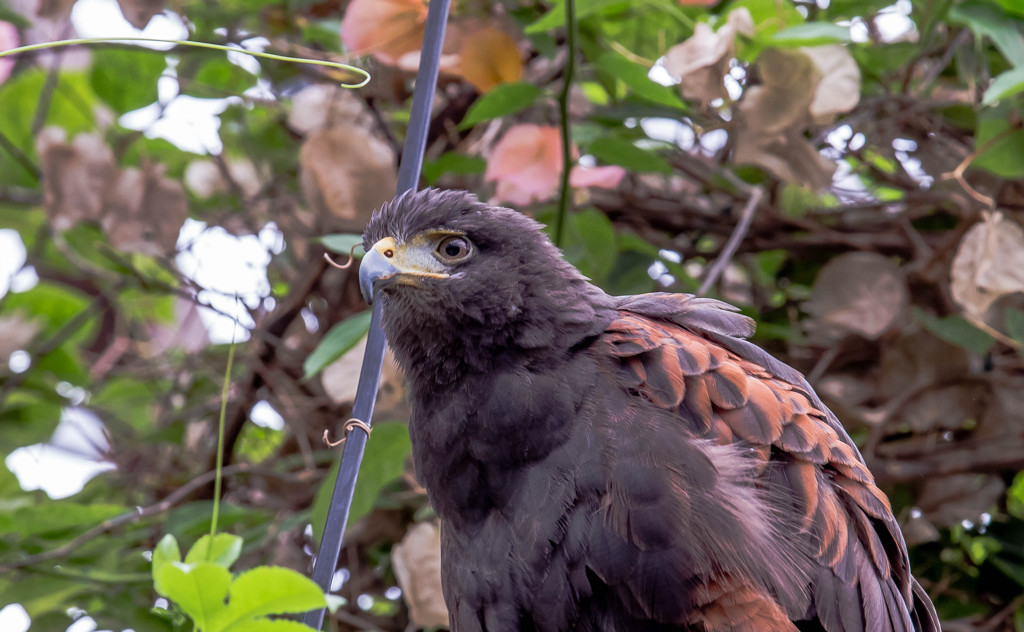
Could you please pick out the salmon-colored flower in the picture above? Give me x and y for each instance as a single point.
(386, 29)
(607, 177)
(526, 164)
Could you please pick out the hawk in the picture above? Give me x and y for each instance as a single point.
(619, 463)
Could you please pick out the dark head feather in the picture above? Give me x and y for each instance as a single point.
(515, 295)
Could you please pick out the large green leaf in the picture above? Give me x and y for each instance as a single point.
(199, 590)
(591, 244)
(452, 162)
(986, 20)
(55, 517)
(1003, 146)
(222, 549)
(268, 590)
(555, 17)
(343, 243)
(1005, 86)
(811, 34)
(71, 106)
(338, 340)
(636, 78)
(126, 78)
(219, 77)
(617, 151)
(504, 99)
(165, 553)
(956, 330)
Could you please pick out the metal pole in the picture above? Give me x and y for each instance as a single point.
(369, 376)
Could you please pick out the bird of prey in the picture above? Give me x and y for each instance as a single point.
(619, 463)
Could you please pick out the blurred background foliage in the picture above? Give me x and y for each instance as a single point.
(867, 157)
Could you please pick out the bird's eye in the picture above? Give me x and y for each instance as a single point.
(454, 248)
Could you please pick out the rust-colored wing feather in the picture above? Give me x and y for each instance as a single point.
(686, 356)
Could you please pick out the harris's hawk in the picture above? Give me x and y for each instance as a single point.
(619, 463)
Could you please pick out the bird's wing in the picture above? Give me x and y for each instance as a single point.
(686, 356)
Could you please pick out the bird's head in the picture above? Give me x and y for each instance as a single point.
(453, 271)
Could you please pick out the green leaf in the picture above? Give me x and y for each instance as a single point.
(591, 244)
(338, 340)
(218, 76)
(343, 243)
(504, 99)
(269, 625)
(769, 16)
(617, 151)
(383, 462)
(222, 549)
(198, 590)
(956, 330)
(1004, 157)
(1013, 7)
(452, 162)
(636, 78)
(985, 20)
(166, 552)
(52, 303)
(268, 590)
(126, 78)
(810, 34)
(71, 107)
(1005, 85)
(555, 17)
(1013, 570)
(1015, 324)
(42, 594)
(53, 518)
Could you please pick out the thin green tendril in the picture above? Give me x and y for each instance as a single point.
(107, 40)
(220, 435)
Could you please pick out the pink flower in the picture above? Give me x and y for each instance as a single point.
(526, 164)
(607, 177)
(8, 39)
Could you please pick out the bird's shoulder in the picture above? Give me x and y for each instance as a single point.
(688, 356)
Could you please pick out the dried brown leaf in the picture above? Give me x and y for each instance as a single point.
(140, 12)
(700, 63)
(839, 88)
(346, 173)
(16, 334)
(140, 209)
(858, 292)
(322, 105)
(417, 563)
(144, 211)
(58, 9)
(949, 500)
(989, 264)
(789, 157)
(489, 56)
(75, 176)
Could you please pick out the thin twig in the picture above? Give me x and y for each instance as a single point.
(735, 238)
(957, 174)
(564, 196)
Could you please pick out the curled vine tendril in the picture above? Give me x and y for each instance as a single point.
(107, 40)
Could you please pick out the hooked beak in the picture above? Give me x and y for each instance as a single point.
(389, 262)
(375, 270)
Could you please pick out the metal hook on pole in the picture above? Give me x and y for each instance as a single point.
(369, 376)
